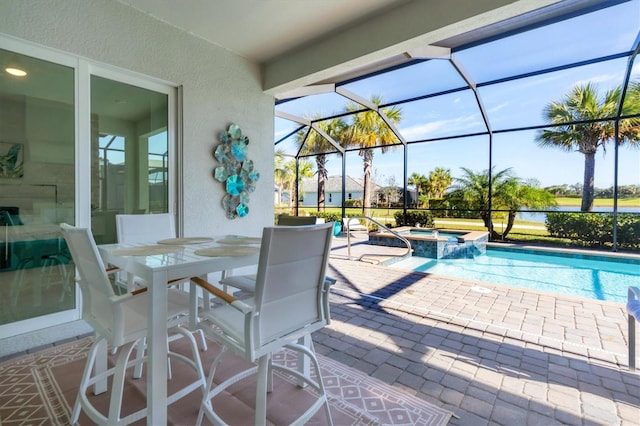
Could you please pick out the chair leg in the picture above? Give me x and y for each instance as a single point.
(203, 340)
(261, 390)
(88, 367)
(197, 361)
(270, 376)
(206, 406)
(308, 350)
(314, 360)
(140, 348)
(632, 343)
(169, 374)
(115, 403)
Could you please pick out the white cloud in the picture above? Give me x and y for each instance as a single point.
(427, 130)
(606, 79)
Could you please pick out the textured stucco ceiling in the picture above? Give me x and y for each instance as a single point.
(260, 29)
(305, 42)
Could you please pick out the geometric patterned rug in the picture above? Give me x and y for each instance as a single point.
(40, 388)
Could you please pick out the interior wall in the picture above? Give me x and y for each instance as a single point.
(219, 88)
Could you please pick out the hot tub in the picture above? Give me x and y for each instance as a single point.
(435, 243)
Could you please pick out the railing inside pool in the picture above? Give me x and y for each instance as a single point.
(400, 237)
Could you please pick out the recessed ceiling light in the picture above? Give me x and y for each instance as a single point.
(16, 71)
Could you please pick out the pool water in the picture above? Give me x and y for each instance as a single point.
(429, 233)
(593, 277)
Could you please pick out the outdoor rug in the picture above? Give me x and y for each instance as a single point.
(40, 388)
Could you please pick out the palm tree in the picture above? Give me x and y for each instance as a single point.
(281, 173)
(583, 104)
(439, 180)
(305, 170)
(508, 192)
(368, 131)
(314, 143)
(285, 175)
(419, 181)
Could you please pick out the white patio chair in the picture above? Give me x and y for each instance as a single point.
(290, 302)
(286, 220)
(143, 228)
(149, 228)
(247, 283)
(120, 321)
(633, 312)
(352, 224)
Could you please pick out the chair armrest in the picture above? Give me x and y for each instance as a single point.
(633, 302)
(138, 291)
(112, 269)
(236, 303)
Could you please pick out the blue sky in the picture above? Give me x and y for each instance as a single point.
(509, 105)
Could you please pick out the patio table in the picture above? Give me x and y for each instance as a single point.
(157, 270)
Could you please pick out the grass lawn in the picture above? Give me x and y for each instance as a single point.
(523, 231)
(599, 202)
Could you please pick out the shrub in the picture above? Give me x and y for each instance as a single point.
(595, 229)
(328, 216)
(424, 218)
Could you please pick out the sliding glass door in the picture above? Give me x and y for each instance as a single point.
(79, 143)
(129, 156)
(37, 186)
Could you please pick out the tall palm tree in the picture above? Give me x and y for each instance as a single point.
(285, 175)
(368, 131)
(419, 181)
(281, 174)
(305, 170)
(315, 143)
(508, 192)
(582, 104)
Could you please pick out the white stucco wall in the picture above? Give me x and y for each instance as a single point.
(218, 88)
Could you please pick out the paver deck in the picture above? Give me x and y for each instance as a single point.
(492, 355)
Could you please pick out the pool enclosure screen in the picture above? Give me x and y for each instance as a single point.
(533, 120)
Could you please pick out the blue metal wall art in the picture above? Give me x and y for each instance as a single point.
(236, 172)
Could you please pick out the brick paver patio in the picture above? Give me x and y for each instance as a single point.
(492, 355)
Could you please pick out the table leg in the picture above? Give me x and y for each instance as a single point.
(157, 350)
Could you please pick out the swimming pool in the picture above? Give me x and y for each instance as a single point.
(589, 276)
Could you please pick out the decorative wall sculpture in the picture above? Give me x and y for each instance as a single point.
(236, 172)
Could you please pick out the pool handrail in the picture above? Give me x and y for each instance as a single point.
(400, 237)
